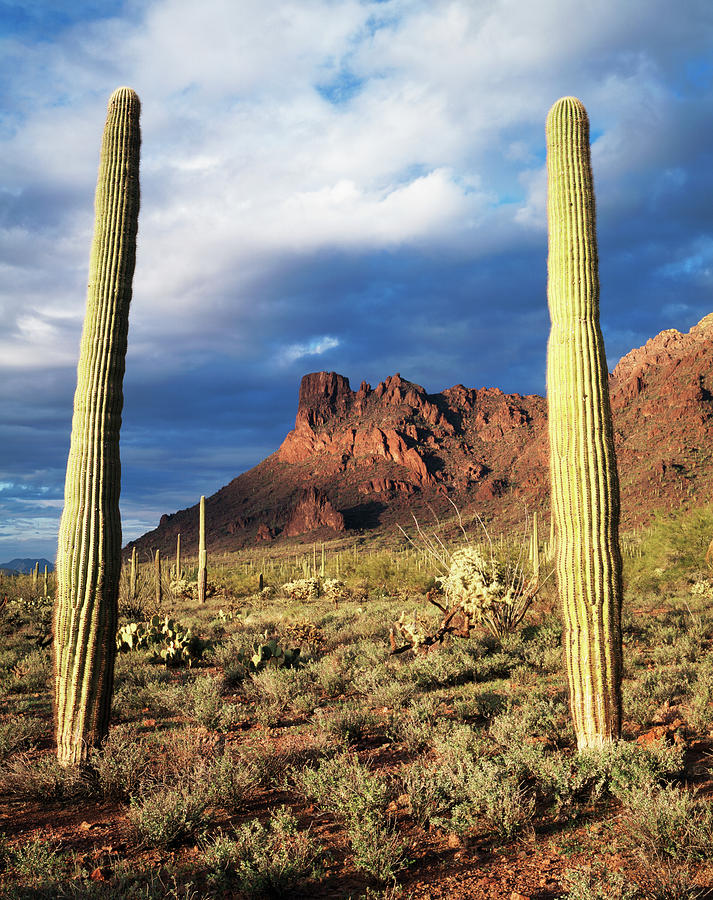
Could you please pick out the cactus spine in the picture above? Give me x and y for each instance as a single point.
(202, 557)
(585, 485)
(89, 551)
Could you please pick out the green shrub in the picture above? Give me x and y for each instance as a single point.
(156, 699)
(624, 767)
(534, 715)
(346, 788)
(458, 744)
(484, 793)
(700, 712)
(277, 690)
(169, 815)
(264, 860)
(408, 729)
(42, 779)
(347, 723)
(207, 702)
(231, 779)
(599, 883)
(430, 790)
(20, 733)
(31, 672)
(122, 764)
(38, 861)
(668, 823)
(468, 793)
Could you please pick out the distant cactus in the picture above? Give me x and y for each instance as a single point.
(133, 576)
(89, 552)
(202, 557)
(178, 557)
(157, 578)
(535, 548)
(585, 485)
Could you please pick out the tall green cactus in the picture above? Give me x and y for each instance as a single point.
(89, 552)
(158, 582)
(133, 577)
(202, 556)
(585, 485)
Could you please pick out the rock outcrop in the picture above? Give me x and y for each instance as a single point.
(313, 512)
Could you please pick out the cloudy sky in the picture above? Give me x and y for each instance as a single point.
(349, 185)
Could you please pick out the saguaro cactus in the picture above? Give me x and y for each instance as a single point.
(89, 552)
(158, 583)
(585, 485)
(202, 556)
(535, 548)
(133, 577)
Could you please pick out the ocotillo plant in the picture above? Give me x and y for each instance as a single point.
(202, 557)
(585, 485)
(89, 552)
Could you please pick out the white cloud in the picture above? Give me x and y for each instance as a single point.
(315, 347)
(245, 162)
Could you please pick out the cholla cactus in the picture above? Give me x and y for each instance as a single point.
(487, 587)
(702, 589)
(488, 591)
(302, 589)
(478, 585)
(334, 589)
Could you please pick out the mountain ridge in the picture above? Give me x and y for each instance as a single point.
(373, 457)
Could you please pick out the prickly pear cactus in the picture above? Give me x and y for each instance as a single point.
(89, 552)
(585, 485)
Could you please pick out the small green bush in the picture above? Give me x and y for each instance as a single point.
(168, 816)
(38, 861)
(207, 702)
(599, 883)
(263, 860)
(122, 764)
(42, 779)
(31, 672)
(343, 786)
(669, 823)
(231, 779)
(348, 723)
(20, 733)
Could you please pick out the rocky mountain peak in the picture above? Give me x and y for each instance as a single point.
(374, 457)
(322, 396)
